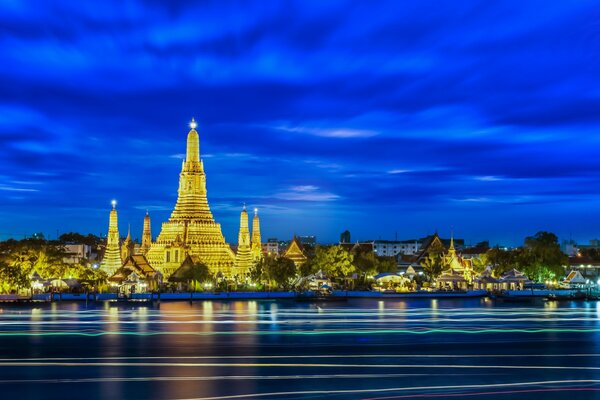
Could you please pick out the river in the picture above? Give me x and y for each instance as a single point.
(359, 349)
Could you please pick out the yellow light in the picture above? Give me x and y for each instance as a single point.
(193, 124)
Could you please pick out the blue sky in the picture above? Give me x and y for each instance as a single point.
(384, 118)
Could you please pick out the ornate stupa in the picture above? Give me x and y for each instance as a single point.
(256, 244)
(146, 235)
(112, 255)
(128, 246)
(191, 229)
(243, 257)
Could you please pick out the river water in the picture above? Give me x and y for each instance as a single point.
(360, 349)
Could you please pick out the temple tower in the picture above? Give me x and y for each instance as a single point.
(191, 229)
(128, 246)
(112, 255)
(256, 244)
(243, 258)
(146, 235)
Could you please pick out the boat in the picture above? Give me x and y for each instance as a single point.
(570, 296)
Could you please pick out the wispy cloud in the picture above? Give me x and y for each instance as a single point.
(342, 133)
(306, 193)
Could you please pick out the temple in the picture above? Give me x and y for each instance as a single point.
(295, 253)
(191, 229)
(243, 257)
(127, 247)
(256, 244)
(112, 255)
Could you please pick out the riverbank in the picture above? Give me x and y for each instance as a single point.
(335, 295)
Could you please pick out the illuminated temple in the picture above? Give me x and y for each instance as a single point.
(191, 229)
(112, 254)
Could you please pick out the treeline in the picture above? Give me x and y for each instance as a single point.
(20, 260)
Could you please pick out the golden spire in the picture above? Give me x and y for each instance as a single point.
(146, 235)
(256, 240)
(243, 258)
(191, 229)
(127, 246)
(451, 250)
(193, 144)
(112, 254)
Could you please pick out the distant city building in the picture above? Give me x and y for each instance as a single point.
(392, 247)
(345, 237)
(310, 240)
(76, 253)
(571, 248)
(271, 247)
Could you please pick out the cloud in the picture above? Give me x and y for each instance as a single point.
(343, 133)
(307, 193)
(411, 114)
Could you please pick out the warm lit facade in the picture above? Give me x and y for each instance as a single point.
(257, 251)
(146, 235)
(112, 255)
(191, 229)
(295, 253)
(243, 257)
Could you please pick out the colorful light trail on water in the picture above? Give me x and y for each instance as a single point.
(249, 349)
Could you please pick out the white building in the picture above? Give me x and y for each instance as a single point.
(77, 252)
(271, 247)
(386, 248)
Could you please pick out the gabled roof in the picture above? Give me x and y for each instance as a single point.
(513, 276)
(186, 264)
(295, 251)
(428, 244)
(575, 277)
(134, 264)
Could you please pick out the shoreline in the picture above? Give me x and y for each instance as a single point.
(306, 296)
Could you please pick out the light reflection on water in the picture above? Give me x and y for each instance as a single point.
(325, 350)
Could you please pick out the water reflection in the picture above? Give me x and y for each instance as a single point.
(203, 349)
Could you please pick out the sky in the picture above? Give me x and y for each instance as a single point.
(390, 119)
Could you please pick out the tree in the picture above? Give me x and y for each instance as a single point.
(542, 258)
(274, 271)
(387, 264)
(333, 261)
(433, 265)
(196, 275)
(12, 278)
(366, 263)
(501, 260)
(283, 272)
(480, 263)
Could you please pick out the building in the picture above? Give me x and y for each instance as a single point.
(345, 237)
(271, 247)
(310, 240)
(191, 229)
(295, 252)
(76, 253)
(386, 248)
